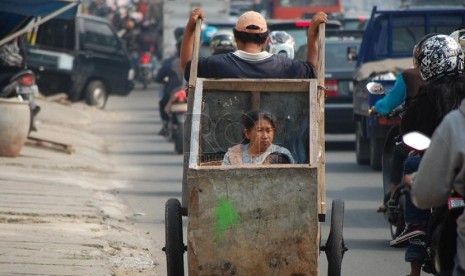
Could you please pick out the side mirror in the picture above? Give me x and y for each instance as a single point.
(416, 140)
(352, 54)
(375, 88)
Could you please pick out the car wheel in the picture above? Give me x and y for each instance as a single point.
(361, 146)
(376, 149)
(96, 94)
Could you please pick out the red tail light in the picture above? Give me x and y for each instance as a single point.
(382, 120)
(331, 88)
(26, 80)
(145, 59)
(181, 96)
(302, 23)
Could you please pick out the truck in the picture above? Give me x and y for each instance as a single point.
(177, 12)
(385, 51)
(82, 57)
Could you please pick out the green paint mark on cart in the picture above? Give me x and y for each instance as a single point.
(226, 217)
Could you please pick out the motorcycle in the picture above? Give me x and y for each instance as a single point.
(177, 108)
(441, 245)
(145, 69)
(23, 86)
(393, 149)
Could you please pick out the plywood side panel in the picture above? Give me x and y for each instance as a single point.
(253, 221)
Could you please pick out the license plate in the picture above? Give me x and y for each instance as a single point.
(455, 203)
(33, 89)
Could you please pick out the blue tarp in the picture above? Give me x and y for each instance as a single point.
(15, 14)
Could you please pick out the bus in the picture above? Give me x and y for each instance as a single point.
(293, 9)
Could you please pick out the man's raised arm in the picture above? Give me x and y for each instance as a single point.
(312, 38)
(187, 45)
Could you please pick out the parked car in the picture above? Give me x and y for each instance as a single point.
(82, 57)
(280, 43)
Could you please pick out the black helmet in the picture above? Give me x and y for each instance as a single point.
(223, 42)
(438, 56)
(178, 33)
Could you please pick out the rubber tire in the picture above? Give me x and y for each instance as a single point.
(145, 83)
(361, 145)
(174, 246)
(96, 94)
(335, 247)
(376, 149)
(398, 227)
(387, 158)
(179, 139)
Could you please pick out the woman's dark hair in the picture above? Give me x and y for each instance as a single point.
(249, 119)
(249, 37)
(446, 93)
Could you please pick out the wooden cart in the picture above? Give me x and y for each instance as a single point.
(260, 219)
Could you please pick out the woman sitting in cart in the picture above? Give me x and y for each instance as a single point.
(259, 131)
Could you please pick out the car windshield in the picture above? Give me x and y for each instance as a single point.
(56, 34)
(336, 55)
(336, 51)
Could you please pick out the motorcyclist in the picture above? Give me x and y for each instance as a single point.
(405, 88)
(222, 42)
(281, 43)
(442, 169)
(131, 38)
(170, 74)
(12, 62)
(441, 63)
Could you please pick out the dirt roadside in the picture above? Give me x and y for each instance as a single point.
(57, 216)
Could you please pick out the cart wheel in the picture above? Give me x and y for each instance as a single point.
(335, 247)
(174, 246)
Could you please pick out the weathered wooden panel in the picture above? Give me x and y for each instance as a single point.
(270, 85)
(253, 221)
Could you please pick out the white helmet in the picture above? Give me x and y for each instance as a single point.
(281, 43)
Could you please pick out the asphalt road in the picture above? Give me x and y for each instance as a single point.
(153, 172)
